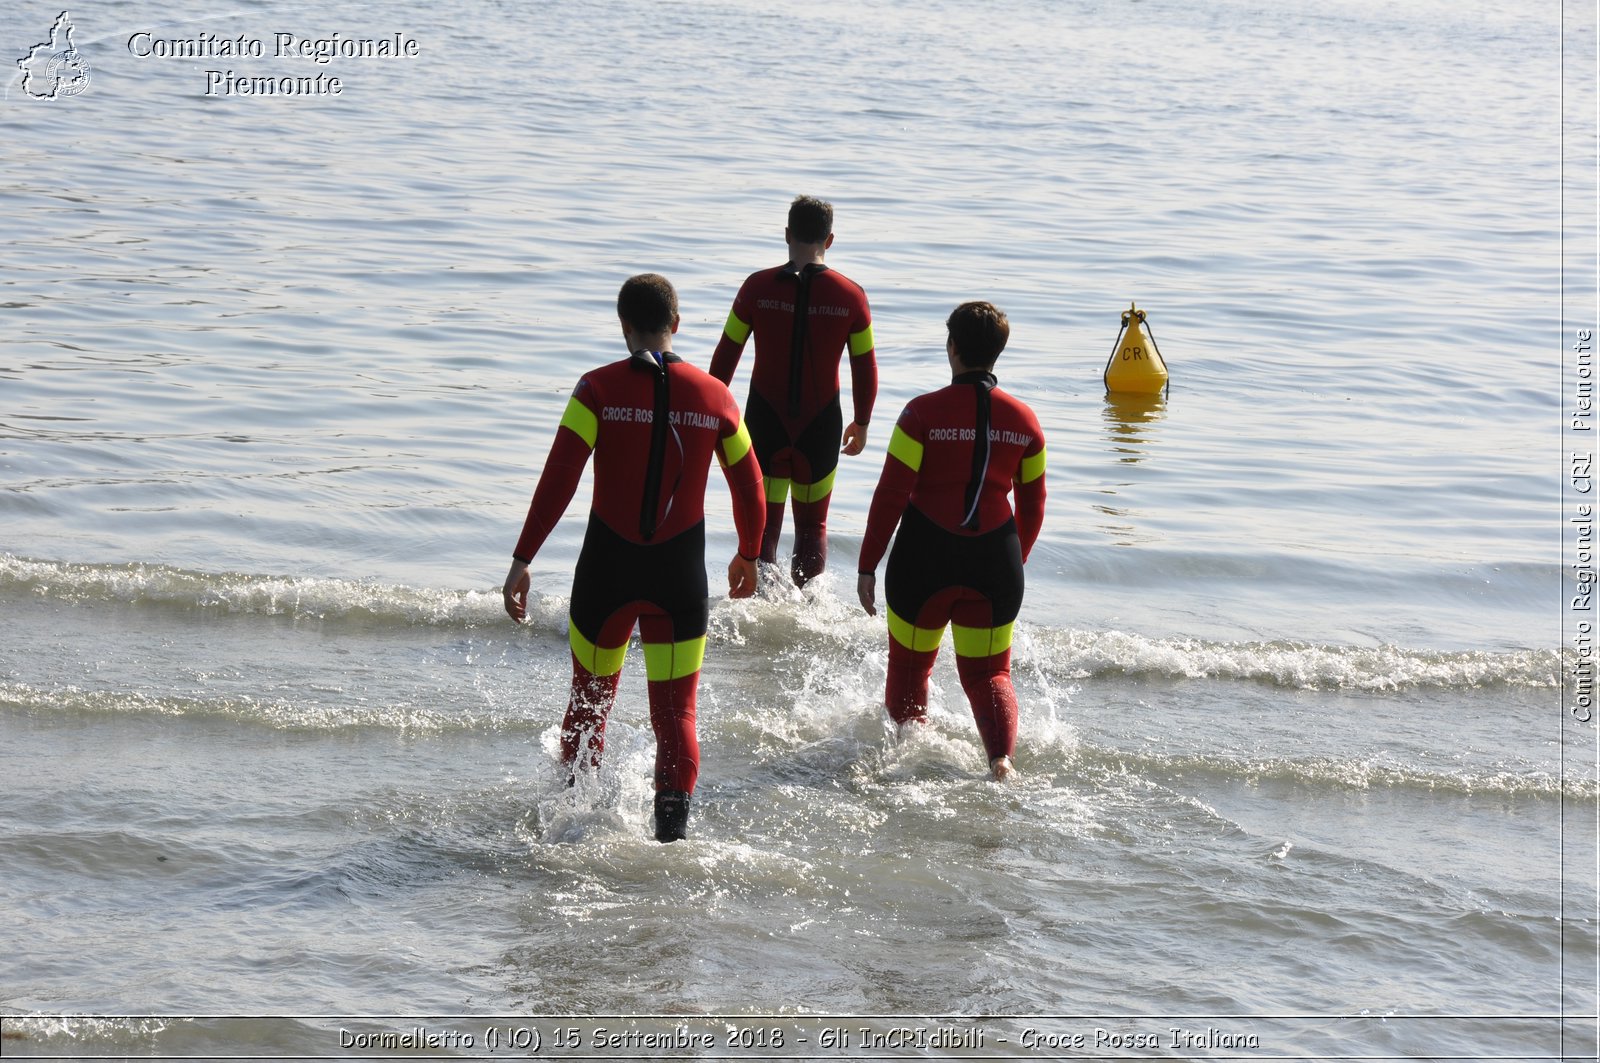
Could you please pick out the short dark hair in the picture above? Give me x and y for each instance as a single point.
(980, 331)
(810, 219)
(647, 303)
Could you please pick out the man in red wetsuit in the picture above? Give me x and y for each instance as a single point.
(653, 423)
(954, 456)
(804, 316)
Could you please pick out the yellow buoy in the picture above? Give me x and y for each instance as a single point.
(1135, 366)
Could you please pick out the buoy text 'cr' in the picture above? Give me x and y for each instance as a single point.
(1135, 366)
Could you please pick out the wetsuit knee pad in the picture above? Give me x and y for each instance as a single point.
(775, 489)
(980, 641)
(923, 637)
(674, 660)
(594, 658)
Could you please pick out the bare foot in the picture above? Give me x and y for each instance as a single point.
(907, 729)
(1001, 769)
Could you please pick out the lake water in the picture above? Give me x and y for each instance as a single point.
(1299, 778)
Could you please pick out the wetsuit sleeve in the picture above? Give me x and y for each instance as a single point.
(569, 453)
(863, 365)
(743, 473)
(741, 319)
(1028, 488)
(889, 501)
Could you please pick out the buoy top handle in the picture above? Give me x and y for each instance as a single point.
(1132, 312)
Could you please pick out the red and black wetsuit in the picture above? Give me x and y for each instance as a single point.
(954, 456)
(653, 424)
(793, 408)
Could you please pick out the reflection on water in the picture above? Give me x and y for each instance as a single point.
(1131, 432)
(1130, 421)
(1120, 527)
